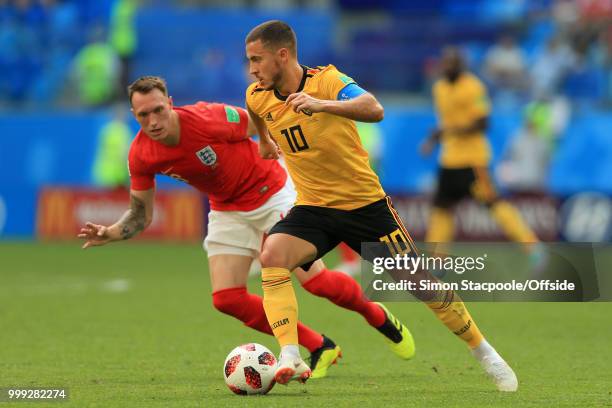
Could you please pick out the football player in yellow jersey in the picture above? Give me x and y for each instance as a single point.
(308, 113)
(463, 109)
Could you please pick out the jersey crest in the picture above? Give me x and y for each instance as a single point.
(207, 156)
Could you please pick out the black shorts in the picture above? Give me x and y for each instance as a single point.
(325, 228)
(457, 184)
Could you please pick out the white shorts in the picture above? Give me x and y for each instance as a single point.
(242, 232)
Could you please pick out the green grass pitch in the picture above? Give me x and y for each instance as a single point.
(132, 325)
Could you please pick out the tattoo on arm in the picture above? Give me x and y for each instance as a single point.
(133, 221)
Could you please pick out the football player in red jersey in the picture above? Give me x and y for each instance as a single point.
(207, 145)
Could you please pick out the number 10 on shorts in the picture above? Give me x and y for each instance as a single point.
(396, 242)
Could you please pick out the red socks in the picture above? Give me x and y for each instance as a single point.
(248, 308)
(345, 292)
(339, 288)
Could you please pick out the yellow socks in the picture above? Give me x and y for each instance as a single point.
(441, 225)
(512, 223)
(280, 304)
(450, 309)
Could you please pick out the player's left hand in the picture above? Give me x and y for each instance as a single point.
(94, 235)
(302, 102)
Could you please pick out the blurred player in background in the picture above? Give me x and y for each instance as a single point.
(109, 170)
(463, 109)
(207, 145)
(309, 112)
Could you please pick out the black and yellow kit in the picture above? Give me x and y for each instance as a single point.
(325, 228)
(339, 197)
(457, 184)
(464, 159)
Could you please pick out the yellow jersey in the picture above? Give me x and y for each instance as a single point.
(323, 152)
(459, 104)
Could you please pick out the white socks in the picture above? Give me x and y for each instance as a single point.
(290, 351)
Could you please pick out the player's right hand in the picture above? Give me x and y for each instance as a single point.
(94, 235)
(428, 146)
(268, 150)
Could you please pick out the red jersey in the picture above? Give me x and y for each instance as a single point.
(214, 155)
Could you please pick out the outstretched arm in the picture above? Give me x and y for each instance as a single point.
(136, 219)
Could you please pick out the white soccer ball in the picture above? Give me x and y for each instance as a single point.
(249, 369)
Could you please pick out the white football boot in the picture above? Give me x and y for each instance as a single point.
(496, 368)
(291, 367)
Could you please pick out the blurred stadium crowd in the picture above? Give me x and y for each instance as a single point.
(523, 49)
(547, 65)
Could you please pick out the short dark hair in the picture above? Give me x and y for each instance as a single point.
(275, 34)
(146, 84)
